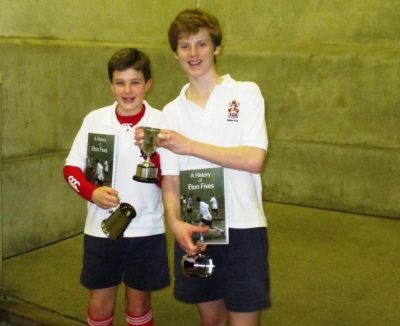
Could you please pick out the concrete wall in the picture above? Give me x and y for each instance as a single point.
(53, 61)
(329, 73)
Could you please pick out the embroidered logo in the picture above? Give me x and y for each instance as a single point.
(233, 111)
(73, 183)
(127, 126)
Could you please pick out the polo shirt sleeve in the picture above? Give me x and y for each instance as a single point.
(255, 130)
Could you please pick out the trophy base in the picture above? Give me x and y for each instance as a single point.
(146, 173)
(145, 180)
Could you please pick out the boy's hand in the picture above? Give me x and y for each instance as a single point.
(105, 197)
(183, 234)
(139, 134)
(174, 142)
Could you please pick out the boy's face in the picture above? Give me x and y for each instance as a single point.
(129, 89)
(196, 53)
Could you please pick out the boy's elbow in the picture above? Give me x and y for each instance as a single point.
(256, 169)
(258, 162)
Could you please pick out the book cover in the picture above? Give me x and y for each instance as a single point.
(101, 159)
(203, 203)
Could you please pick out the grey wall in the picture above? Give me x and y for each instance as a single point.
(53, 61)
(1, 194)
(329, 73)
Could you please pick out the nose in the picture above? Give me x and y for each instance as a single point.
(193, 50)
(127, 88)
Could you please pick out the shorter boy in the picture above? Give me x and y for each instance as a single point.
(139, 259)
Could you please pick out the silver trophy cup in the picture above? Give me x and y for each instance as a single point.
(147, 171)
(115, 225)
(198, 265)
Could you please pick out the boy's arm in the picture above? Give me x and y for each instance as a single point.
(244, 158)
(104, 197)
(181, 230)
(78, 182)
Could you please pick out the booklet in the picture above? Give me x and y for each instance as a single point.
(203, 203)
(101, 159)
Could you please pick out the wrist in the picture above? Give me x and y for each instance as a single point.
(191, 148)
(173, 221)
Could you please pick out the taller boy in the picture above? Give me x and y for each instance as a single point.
(217, 121)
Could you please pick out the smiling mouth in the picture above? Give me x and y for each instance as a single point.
(194, 63)
(130, 99)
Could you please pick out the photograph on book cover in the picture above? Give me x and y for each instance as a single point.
(100, 159)
(203, 203)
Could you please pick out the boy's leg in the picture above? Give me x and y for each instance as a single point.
(145, 270)
(138, 307)
(244, 318)
(213, 313)
(101, 306)
(101, 274)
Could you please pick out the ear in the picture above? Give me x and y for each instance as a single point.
(217, 49)
(148, 84)
(175, 55)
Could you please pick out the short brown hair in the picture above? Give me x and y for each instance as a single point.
(129, 58)
(189, 22)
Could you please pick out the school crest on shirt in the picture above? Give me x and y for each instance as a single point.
(233, 111)
(127, 126)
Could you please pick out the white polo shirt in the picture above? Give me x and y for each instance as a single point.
(233, 116)
(144, 197)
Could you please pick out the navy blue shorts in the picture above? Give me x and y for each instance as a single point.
(241, 276)
(141, 263)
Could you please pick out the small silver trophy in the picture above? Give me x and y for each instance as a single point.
(197, 265)
(115, 225)
(147, 171)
